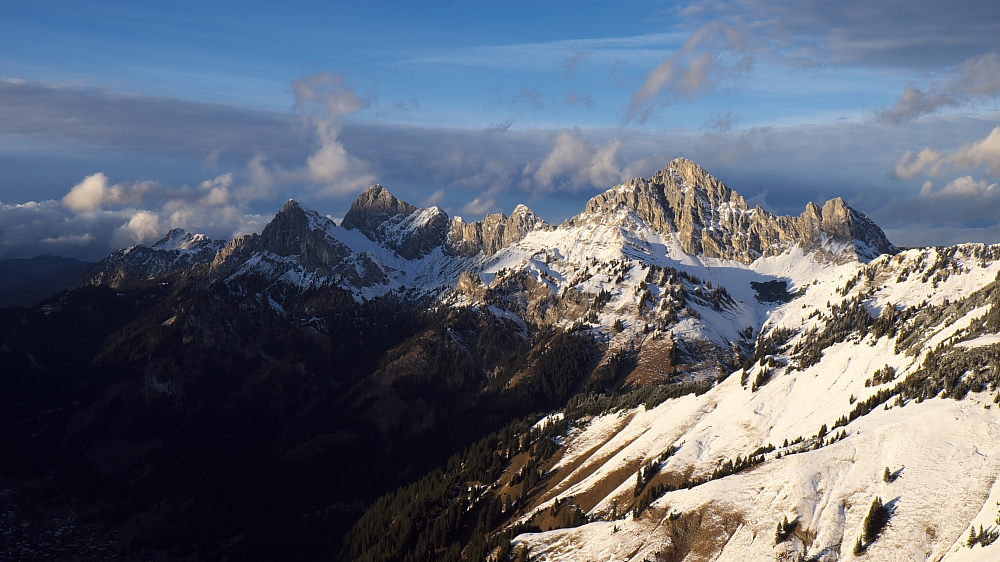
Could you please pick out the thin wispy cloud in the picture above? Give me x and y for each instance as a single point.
(95, 117)
(722, 122)
(566, 55)
(978, 80)
(714, 53)
(527, 99)
(580, 100)
(574, 61)
(927, 34)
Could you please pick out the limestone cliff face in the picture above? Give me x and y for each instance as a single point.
(712, 220)
(296, 231)
(494, 232)
(297, 238)
(411, 231)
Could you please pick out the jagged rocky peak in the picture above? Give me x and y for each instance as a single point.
(299, 231)
(494, 232)
(525, 220)
(295, 220)
(409, 230)
(841, 224)
(373, 207)
(711, 219)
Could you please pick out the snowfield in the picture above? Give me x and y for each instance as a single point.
(944, 453)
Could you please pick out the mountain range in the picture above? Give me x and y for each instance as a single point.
(25, 281)
(668, 375)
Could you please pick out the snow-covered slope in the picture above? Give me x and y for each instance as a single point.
(820, 367)
(814, 461)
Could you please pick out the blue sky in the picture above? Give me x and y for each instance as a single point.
(121, 120)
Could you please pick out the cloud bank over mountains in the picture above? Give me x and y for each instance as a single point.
(470, 173)
(326, 159)
(890, 105)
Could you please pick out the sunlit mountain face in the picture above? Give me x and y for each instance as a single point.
(672, 281)
(669, 373)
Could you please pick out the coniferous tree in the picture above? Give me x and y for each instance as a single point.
(785, 530)
(875, 521)
(859, 547)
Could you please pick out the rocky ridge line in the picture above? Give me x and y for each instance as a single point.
(711, 219)
(708, 218)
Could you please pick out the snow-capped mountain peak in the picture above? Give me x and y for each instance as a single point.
(408, 230)
(712, 220)
(181, 240)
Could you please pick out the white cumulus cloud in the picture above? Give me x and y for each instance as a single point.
(325, 99)
(983, 153)
(964, 187)
(97, 217)
(89, 194)
(143, 228)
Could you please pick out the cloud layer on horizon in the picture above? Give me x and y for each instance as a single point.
(251, 160)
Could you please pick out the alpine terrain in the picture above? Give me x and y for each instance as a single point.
(668, 375)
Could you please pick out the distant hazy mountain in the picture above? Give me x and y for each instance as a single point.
(25, 281)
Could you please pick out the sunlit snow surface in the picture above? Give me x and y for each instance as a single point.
(947, 450)
(431, 272)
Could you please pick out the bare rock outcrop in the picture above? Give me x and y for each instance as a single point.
(298, 231)
(410, 231)
(711, 219)
(495, 232)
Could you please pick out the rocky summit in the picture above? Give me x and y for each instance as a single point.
(668, 375)
(712, 220)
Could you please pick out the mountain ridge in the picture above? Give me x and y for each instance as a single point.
(683, 200)
(713, 220)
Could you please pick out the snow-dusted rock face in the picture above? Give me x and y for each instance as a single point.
(171, 257)
(299, 249)
(384, 243)
(410, 231)
(663, 267)
(495, 232)
(712, 220)
(179, 239)
(297, 231)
